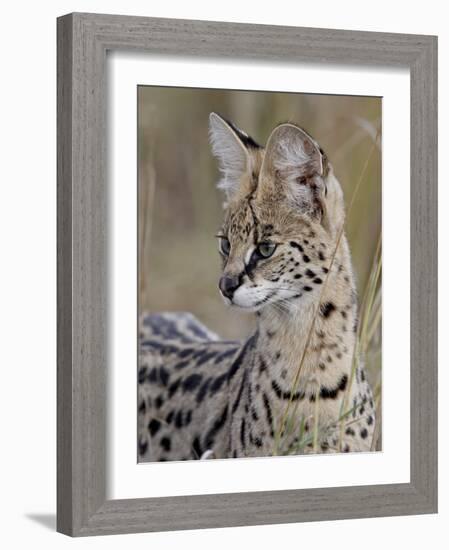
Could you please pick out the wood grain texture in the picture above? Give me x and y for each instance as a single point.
(83, 40)
(64, 276)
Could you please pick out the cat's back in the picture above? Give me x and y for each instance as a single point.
(182, 381)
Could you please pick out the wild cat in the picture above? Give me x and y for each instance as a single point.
(292, 387)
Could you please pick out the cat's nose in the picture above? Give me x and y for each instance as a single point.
(228, 284)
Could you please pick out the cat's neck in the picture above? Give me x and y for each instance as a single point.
(315, 336)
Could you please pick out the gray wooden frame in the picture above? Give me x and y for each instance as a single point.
(83, 40)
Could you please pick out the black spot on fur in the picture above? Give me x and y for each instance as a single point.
(197, 331)
(166, 444)
(243, 433)
(173, 388)
(152, 375)
(354, 405)
(143, 446)
(203, 390)
(178, 419)
(191, 382)
(159, 401)
(364, 433)
(218, 424)
(239, 359)
(199, 353)
(154, 426)
(310, 273)
(306, 258)
(181, 365)
(218, 382)
(296, 245)
(331, 393)
(254, 414)
(196, 447)
(162, 347)
(142, 374)
(268, 413)
(326, 309)
(239, 395)
(282, 394)
(206, 357)
(225, 355)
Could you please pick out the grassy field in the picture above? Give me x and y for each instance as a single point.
(180, 208)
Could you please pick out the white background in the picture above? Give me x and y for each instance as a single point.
(27, 301)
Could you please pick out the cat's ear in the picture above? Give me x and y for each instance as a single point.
(295, 165)
(231, 146)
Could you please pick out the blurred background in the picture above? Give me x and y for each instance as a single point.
(180, 208)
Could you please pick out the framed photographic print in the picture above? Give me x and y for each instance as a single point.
(246, 274)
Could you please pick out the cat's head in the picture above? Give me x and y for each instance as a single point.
(283, 210)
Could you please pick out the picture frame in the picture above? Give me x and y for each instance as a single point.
(83, 41)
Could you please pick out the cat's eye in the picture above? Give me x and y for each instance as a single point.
(224, 246)
(266, 249)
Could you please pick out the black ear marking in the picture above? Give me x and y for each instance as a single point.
(246, 140)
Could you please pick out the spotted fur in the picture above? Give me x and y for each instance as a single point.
(291, 387)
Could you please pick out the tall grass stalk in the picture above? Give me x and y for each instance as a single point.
(367, 325)
(281, 431)
(147, 189)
